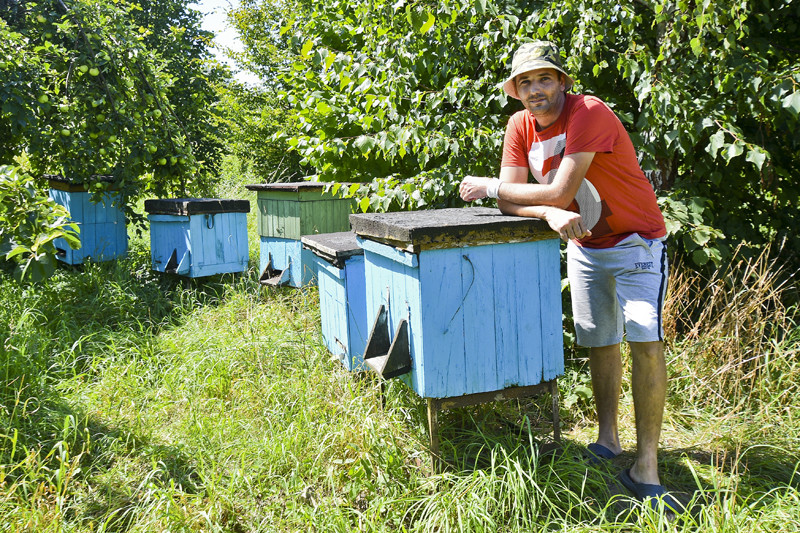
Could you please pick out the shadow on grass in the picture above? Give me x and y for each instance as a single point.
(74, 326)
(476, 438)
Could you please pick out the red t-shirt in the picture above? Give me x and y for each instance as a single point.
(615, 198)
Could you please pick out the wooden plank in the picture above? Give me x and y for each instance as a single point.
(390, 252)
(550, 296)
(478, 273)
(506, 320)
(357, 322)
(529, 310)
(443, 356)
(397, 286)
(448, 228)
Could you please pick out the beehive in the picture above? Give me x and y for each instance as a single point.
(287, 212)
(103, 232)
(196, 237)
(477, 294)
(342, 299)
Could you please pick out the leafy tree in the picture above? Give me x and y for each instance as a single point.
(404, 96)
(258, 123)
(260, 118)
(174, 33)
(105, 87)
(88, 88)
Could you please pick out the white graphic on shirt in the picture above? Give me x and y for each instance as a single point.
(587, 197)
(541, 152)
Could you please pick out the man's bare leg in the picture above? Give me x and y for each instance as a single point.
(606, 368)
(649, 384)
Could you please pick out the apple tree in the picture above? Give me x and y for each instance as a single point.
(112, 88)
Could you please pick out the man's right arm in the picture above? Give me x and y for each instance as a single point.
(567, 224)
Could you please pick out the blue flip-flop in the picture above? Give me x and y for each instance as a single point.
(653, 493)
(599, 453)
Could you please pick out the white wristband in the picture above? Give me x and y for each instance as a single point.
(493, 189)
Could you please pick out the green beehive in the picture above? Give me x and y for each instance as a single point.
(286, 212)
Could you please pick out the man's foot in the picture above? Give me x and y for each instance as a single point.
(652, 494)
(599, 454)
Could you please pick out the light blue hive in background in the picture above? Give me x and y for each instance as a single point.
(339, 264)
(480, 293)
(196, 237)
(103, 232)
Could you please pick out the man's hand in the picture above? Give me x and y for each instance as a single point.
(569, 225)
(473, 188)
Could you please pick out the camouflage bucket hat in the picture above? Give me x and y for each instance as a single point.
(533, 56)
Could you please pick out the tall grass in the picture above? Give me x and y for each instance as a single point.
(131, 401)
(741, 327)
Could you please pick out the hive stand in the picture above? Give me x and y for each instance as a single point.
(103, 231)
(287, 212)
(473, 299)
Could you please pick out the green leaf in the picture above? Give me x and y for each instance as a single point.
(700, 257)
(792, 103)
(363, 204)
(306, 49)
(428, 24)
(365, 143)
(697, 46)
(715, 143)
(734, 150)
(757, 157)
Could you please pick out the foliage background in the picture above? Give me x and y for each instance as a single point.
(404, 97)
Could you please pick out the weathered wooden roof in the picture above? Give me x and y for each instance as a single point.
(295, 186)
(195, 206)
(335, 248)
(449, 228)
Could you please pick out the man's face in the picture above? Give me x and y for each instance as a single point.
(542, 93)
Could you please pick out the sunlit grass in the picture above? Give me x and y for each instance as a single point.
(131, 401)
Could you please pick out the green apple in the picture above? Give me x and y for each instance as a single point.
(157, 113)
(162, 161)
(112, 139)
(83, 68)
(94, 72)
(102, 151)
(101, 117)
(173, 160)
(43, 99)
(65, 132)
(40, 19)
(63, 108)
(151, 148)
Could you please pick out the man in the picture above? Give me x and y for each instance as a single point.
(590, 189)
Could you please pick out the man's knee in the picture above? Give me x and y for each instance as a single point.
(647, 351)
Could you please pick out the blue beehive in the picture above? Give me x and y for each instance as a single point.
(342, 298)
(197, 237)
(287, 212)
(103, 232)
(466, 301)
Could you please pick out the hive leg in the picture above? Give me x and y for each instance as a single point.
(556, 416)
(433, 431)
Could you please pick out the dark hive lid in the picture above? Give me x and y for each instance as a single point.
(195, 206)
(335, 248)
(449, 228)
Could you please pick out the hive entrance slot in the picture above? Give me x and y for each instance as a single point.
(389, 358)
(275, 277)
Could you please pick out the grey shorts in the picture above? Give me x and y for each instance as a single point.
(612, 287)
